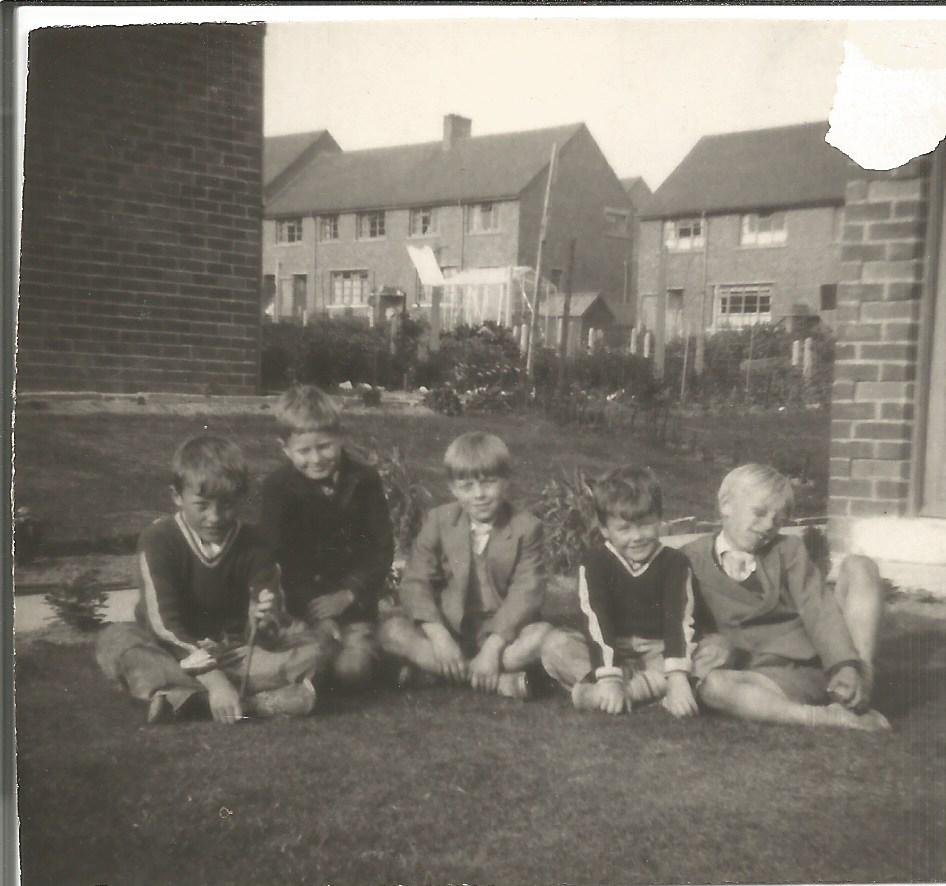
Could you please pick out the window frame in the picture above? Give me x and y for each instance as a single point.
(474, 211)
(433, 221)
(729, 295)
(756, 229)
(371, 217)
(363, 276)
(323, 220)
(674, 239)
(286, 225)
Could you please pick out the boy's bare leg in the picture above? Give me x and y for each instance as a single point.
(860, 593)
(565, 656)
(526, 649)
(354, 665)
(400, 637)
(751, 696)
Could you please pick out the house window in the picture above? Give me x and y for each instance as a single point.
(482, 217)
(615, 221)
(423, 221)
(829, 296)
(349, 288)
(738, 306)
(555, 277)
(371, 225)
(763, 229)
(289, 230)
(328, 227)
(684, 233)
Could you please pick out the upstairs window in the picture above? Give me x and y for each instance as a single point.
(763, 229)
(423, 221)
(371, 225)
(328, 227)
(289, 230)
(683, 234)
(482, 217)
(616, 222)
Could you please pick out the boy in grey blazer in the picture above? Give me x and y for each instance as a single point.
(473, 586)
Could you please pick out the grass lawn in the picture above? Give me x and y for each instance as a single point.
(443, 786)
(97, 480)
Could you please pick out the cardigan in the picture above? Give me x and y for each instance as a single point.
(796, 616)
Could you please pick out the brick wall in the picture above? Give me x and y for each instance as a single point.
(140, 259)
(882, 267)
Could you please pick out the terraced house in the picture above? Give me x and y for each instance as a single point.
(747, 229)
(338, 226)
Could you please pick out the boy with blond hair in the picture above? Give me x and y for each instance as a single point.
(637, 600)
(474, 583)
(799, 653)
(209, 593)
(326, 516)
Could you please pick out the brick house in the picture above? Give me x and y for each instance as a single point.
(746, 229)
(887, 492)
(140, 256)
(285, 155)
(336, 233)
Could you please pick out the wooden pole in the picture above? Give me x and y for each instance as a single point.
(701, 329)
(566, 317)
(543, 228)
(686, 355)
(660, 333)
(749, 361)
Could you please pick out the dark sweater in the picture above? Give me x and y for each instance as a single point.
(657, 603)
(186, 596)
(325, 543)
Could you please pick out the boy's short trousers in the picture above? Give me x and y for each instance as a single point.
(633, 654)
(799, 681)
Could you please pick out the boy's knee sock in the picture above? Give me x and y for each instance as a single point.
(645, 686)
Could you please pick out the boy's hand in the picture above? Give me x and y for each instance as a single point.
(452, 664)
(610, 695)
(486, 665)
(679, 699)
(262, 605)
(223, 697)
(847, 687)
(714, 651)
(330, 605)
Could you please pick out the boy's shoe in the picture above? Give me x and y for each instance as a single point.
(870, 721)
(294, 700)
(515, 685)
(160, 710)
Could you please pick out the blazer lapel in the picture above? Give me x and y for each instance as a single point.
(769, 570)
(458, 551)
(501, 552)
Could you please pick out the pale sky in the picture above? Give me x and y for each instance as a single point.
(647, 89)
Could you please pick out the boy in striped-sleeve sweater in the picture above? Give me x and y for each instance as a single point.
(636, 596)
(206, 583)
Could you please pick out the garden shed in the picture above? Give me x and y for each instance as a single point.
(589, 317)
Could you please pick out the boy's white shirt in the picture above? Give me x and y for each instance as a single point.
(207, 552)
(479, 533)
(738, 565)
(635, 569)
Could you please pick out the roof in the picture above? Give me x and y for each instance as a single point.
(481, 167)
(759, 169)
(281, 151)
(638, 192)
(554, 305)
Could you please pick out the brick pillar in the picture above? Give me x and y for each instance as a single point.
(882, 268)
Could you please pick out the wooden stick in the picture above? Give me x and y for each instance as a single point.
(249, 657)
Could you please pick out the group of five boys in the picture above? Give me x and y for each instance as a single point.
(237, 621)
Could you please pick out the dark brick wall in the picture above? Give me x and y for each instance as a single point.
(140, 260)
(872, 412)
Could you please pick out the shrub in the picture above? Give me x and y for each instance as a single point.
(473, 357)
(567, 512)
(79, 601)
(444, 400)
(492, 400)
(408, 499)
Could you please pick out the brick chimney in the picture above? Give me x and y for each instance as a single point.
(455, 127)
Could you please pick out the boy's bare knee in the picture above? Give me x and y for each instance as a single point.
(859, 578)
(714, 688)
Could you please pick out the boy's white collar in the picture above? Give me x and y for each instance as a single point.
(206, 552)
(638, 568)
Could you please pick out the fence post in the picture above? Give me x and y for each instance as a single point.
(796, 352)
(808, 358)
(634, 340)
